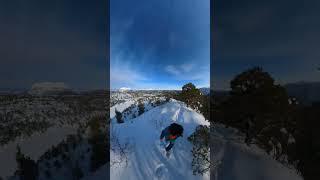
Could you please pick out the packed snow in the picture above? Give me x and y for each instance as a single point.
(144, 158)
(33, 147)
(234, 160)
(120, 107)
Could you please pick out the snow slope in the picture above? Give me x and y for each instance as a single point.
(120, 107)
(233, 160)
(33, 147)
(146, 160)
(236, 161)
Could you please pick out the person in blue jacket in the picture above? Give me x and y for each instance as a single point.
(169, 136)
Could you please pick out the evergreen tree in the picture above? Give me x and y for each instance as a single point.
(98, 141)
(77, 172)
(191, 96)
(256, 105)
(47, 174)
(140, 107)
(201, 154)
(119, 116)
(27, 168)
(94, 127)
(100, 153)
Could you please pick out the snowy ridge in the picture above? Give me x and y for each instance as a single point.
(145, 159)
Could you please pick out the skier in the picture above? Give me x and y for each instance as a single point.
(169, 135)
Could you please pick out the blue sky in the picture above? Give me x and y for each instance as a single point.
(280, 36)
(159, 44)
(55, 41)
(156, 44)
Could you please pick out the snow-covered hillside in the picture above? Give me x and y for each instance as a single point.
(37, 123)
(136, 154)
(234, 160)
(144, 159)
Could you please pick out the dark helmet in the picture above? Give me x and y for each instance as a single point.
(176, 129)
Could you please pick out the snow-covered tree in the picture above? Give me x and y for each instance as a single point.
(200, 150)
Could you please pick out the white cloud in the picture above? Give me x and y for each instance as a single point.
(188, 72)
(124, 74)
(187, 67)
(173, 70)
(179, 69)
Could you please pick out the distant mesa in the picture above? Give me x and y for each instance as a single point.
(50, 88)
(124, 89)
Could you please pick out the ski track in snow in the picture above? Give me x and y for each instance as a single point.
(146, 160)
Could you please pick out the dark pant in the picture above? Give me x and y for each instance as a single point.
(163, 134)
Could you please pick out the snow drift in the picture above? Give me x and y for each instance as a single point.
(144, 159)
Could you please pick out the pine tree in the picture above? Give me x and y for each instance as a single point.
(98, 141)
(191, 96)
(77, 172)
(140, 108)
(256, 106)
(27, 168)
(119, 116)
(201, 154)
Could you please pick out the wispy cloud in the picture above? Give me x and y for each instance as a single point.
(187, 71)
(146, 56)
(123, 73)
(178, 70)
(173, 70)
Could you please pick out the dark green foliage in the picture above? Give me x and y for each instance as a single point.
(158, 102)
(27, 168)
(98, 141)
(65, 158)
(256, 105)
(200, 150)
(47, 164)
(260, 109)
(140, 107)
(191, 96)
(100, 153)
(307, 147)
(94, 127)
(57, 164)
(77, 172)
(205, 108)
(47, 174)
(194, 99)
(119, 116)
